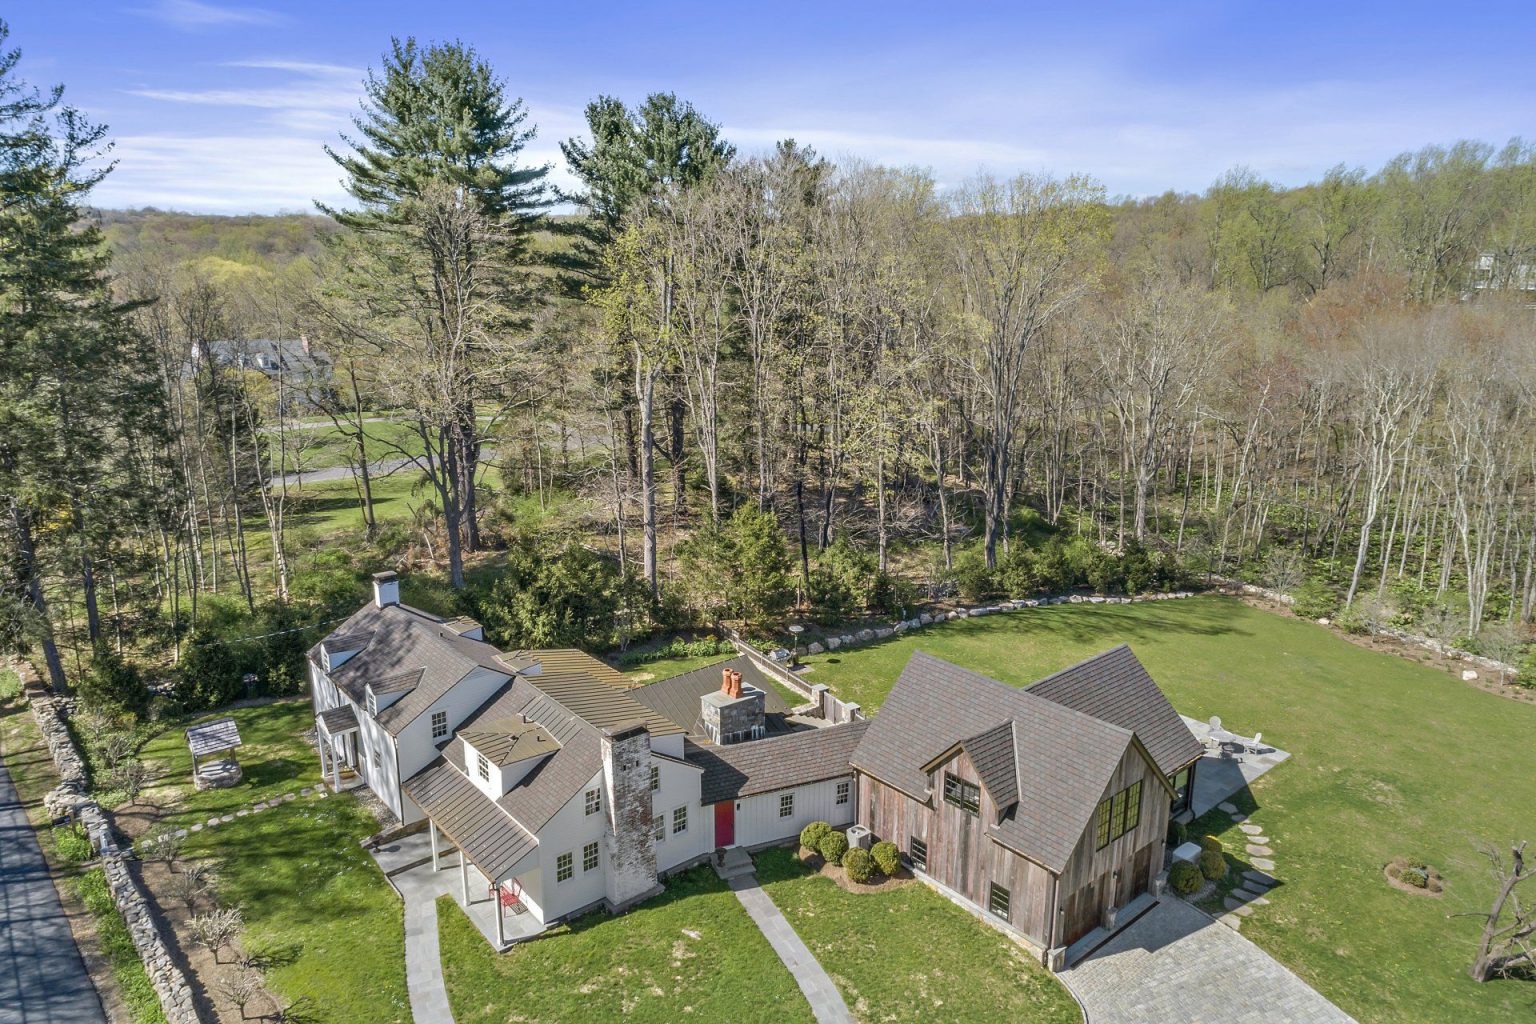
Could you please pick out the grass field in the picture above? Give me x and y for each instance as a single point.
(908, 954)
(315, 904)
(691, 953)
(1389, 758)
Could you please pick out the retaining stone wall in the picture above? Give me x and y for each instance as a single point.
(71, 797)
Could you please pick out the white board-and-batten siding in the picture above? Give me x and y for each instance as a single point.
(760, 823)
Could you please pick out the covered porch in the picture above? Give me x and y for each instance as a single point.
(426, 865)
(336, 737)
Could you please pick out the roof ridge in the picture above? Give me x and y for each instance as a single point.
(1082, 664)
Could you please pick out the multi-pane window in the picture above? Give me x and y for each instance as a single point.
(589, 857)
(655, 778)
(373, 703)
(786, 805)
(659, 828)
(1116, 816)
(594, 801)
(483, 767)
(964, 795)
(439, 724)
(844, 790)
(997, 901)
(680, 820)
(564, 867)
(917, 853)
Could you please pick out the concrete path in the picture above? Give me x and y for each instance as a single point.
(1176, 964)
(423, 964)
(42, 978)
(826, 1001)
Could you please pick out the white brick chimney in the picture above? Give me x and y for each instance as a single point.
(386, 588)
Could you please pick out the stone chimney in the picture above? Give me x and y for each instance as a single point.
(386, 588)
(631, 869)
(734, 712)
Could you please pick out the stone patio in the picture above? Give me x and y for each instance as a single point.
(1176, 964)
(1219, 776)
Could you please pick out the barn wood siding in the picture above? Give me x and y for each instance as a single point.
(960, 855)
(1088, 885)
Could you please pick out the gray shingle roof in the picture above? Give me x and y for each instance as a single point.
(407, 650)
(677, 698)
(470, 819)
(1062, 759)
(594, 691)
(761, 766)
(1115, 687)
(339, 719)
(212, 737)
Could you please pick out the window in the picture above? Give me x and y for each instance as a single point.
(844, 789)
(962, 794)
(594, 801)
(483, 767)
(439, 724)
(655, 778)
(659, 828)
(680, 820)
(1101, 826)
(1133, 806)
(786, 805)
(564, 868)
(997, 901)
(917, 853)
(589, 857)
(373, 703)
(1117, 815)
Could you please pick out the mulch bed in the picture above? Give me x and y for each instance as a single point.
(879, 883)
(1393, 873)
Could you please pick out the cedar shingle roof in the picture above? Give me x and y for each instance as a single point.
(761, 766)
(1062, 759)
(404, 650)
(677, 698)
(1115, 687)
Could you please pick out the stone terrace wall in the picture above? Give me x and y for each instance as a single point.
(72, 797)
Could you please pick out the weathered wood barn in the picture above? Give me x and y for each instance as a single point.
(1046, 807)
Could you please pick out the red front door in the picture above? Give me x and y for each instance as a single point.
(725, 823)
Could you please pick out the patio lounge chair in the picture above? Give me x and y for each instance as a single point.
(1215, 727)
(1252, 746)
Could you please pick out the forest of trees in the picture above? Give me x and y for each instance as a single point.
(766, 380)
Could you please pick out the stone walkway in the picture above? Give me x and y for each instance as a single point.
(826, 1001)
(42, 978)
(1256, 882)
(1176, 964)
(423, 964)
(256, 808)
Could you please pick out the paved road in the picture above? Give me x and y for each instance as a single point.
(42, 978)
(381, 468)
(1176, 964)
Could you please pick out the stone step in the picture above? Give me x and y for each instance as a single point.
(734, 862)
(1263, 863)
(1254, 850)
(1237, 907)
(1228, 806)
(1239, 818)
(1231, 921)
(1261, 878)
(1251, 829)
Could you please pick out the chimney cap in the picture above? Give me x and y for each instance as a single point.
(385, 576)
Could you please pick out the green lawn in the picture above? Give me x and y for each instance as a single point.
(314, 902)
(274, 760)
(908, 954)
(1390, 757)
(691, 953)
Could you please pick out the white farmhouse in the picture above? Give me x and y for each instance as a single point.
(562, 785)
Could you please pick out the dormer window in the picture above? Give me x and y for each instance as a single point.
(964, 795)
(483, 768)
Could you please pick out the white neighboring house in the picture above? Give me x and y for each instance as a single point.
(562, 784)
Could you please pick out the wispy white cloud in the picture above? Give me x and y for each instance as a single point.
(195, 15)
(220, 173)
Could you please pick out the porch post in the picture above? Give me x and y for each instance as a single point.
(432, 828)
(464, 875)
(335, 766)
(501, 928)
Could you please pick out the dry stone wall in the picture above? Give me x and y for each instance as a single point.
(72, 797)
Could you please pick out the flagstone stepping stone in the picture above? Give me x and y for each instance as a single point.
(227, 818)
(1231, 921)
(1252, 898)
(1259, 851)
(1260, 878)
(1251, 829)
(181, 833)
(305, 791)
(212, 822)
(259, 806)
(1263, 864)
(289, 796)
(1228, 806)
(242, 812)
(1239, 818)
(1237, 907)
(198, 827)
(1257, 840)
(323, 794)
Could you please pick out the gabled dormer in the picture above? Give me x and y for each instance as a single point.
(335, 650)
(984, 763)
(379, 694)
(500, 754)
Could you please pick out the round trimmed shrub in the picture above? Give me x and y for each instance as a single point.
(832, 847)
(1213, 864)
(812, 835)
(887, 858)
(1417, 877)
(1210, 843)
(859, 865)
(1178, 835)
(1184, 878)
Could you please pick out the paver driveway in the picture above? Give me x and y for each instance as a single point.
(42, 978)
(1176, 964)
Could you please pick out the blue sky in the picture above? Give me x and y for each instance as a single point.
(223, 105)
